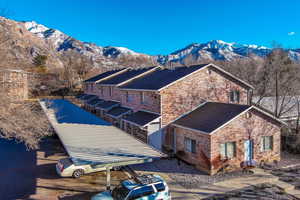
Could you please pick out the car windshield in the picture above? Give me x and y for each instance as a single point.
(66, 162)
(120, 192)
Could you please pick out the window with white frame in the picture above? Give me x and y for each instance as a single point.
(266, 143)
(110, 91)
(189, 145)
(142, 94)
(128, 97)
(234, 96)
(228, 150)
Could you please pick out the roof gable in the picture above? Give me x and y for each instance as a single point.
(104, 75)
(210, 116)
(125, 76)
(161, 77)
(164, 77)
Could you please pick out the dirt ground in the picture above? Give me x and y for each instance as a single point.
(49, 186)
(32, 176)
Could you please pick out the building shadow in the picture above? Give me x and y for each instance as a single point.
(85, 196)
(17, 170)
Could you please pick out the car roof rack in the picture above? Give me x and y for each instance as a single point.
(147, 179)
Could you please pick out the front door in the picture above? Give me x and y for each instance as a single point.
(248, 145)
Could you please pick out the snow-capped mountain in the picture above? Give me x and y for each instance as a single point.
(114, 56)
(63, 42)
(220, 50)
(214, 50)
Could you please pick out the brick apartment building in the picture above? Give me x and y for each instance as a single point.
(14, 83)
(152, 104)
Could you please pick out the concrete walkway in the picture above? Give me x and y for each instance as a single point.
(259, 177)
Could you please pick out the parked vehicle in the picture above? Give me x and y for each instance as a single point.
(66, 168)
(146, 187)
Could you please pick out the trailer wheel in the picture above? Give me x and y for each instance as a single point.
(78, 173)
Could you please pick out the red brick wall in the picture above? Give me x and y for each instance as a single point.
(152, 101)
(91, 88)
(242, 129)
(14, 84)
(207, 156)
(188, 93)
(201, 159)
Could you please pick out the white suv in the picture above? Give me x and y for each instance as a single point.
(66, 168)
(146, 187)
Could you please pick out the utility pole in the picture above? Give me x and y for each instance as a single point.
(108, 181)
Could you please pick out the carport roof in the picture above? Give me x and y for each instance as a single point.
(89, 139)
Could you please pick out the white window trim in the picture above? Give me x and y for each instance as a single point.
(188, 147)
(142, 98)
(263, 149)
(225, 150)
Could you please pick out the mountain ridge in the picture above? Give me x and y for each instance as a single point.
(213, 50)
(29, 38)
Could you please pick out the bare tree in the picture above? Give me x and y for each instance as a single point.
(20, 119)
(278, 78)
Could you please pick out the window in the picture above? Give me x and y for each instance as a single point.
(227, 150)
(92, 87)
(141, 192)
(142, 97)
(160, 187)
(128, 97)
(266, 143)
(110, 91)
(190, 145)
(102, 90)
(248, 115)
(234, 96)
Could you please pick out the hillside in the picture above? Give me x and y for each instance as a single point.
(22, 41)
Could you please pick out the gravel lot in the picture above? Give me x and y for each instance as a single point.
(261, 192)
(185, 175)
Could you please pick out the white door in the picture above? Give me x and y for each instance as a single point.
(248, 146)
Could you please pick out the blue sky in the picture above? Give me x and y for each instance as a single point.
(163, 26)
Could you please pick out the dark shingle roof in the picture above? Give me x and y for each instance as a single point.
(117, 111)
(211, 116)
(88, 97)
(107, 105)
(141, 117)
(94, 102)
(103, 75)
(129, 74)
(78, 96)
(161, 77)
